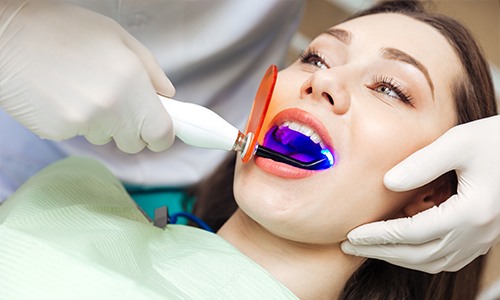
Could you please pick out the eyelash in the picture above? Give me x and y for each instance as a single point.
(308, 55)
(313, 57)
(389, 82)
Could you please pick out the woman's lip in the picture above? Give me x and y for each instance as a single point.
(280, 169)
(302, 116)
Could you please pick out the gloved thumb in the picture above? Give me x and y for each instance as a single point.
(427, 164)
(160, 82)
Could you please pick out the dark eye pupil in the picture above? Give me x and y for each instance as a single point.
(313, 60)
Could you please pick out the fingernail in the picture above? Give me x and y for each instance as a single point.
(347, 248)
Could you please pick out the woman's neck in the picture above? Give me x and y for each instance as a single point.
(309, 271)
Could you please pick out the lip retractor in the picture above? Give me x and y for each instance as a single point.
(198, 126)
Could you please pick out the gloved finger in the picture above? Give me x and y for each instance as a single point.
(426, 164)
(100, 139)
(460, 264)
(432, 267)
(416, 256)
(160, 81)
(157, 130)
(128, 139)
(441, 264)
(98, 135)
(423, 227)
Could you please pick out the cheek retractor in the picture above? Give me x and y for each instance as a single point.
(198, 126)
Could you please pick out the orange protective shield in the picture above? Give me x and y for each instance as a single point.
(259, 109)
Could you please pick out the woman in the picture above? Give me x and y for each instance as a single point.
(367, 91)
(378, 103)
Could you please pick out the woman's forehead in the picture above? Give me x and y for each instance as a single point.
(372, 35)
(392, 29)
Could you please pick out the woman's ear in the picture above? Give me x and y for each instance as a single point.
(432, 194)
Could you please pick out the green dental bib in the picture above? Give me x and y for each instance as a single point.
(72, 232)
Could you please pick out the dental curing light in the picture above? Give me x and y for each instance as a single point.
(198, 126)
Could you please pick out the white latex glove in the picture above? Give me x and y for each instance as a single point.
(465, 226)
(67, 71)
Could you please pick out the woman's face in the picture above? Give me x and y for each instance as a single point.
(374, 89)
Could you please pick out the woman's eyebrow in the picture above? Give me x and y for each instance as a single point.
(388, 53)
(342, 35)
(396, 54)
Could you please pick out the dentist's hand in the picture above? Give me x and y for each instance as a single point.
(67, 71)
(465, 226)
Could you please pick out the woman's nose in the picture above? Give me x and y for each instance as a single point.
(324, 86)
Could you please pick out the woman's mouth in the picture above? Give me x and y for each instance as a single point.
(297, 141)
(299, 136)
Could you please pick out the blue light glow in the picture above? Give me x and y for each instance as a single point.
(329, 155)
(296, 149)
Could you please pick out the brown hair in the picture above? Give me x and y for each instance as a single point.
(474, 99)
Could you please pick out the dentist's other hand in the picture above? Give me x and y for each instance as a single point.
(67, 71)
(465, 226)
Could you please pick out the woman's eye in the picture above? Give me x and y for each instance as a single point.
(314, 59)
(390, 88)
(387, 91)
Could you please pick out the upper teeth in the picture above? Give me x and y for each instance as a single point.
(305, 130)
